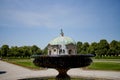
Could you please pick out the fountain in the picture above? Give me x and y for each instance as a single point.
(62, 63)
(62, 56)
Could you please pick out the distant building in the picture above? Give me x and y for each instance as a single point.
(62, 45)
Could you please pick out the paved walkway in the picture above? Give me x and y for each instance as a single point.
(13, 72)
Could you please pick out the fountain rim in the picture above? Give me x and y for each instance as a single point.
(74, 55)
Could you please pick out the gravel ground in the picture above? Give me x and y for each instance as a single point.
(13, 72)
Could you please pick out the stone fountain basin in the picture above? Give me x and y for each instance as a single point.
(63, 61)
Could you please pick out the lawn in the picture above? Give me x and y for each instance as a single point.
(105, 64)
(27, 63)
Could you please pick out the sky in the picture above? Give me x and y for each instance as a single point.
(37, 22)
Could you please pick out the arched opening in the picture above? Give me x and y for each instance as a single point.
(60, 51)
(70, 51)
(49, 52)
(63, 51)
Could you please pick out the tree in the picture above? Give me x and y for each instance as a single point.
(39, 52)
(114, 44)
(84, 48)
(0, 53)
(26, 51)
(5, 50)
(13, 51)
(92, 48)
(79, 47)
(45, 51)
(114, 48)
(111, 52)
(118, 48)
(36, 50)
(102, 47)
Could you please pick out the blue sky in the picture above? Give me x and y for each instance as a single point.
(36, 22)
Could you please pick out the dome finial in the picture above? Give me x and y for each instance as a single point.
(62, 34)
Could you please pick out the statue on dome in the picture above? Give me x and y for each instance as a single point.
(62, 34)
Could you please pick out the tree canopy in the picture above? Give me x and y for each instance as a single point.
(101, 48)
(23, 51)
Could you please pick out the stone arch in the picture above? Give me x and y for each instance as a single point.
(70, 51)
(63, 51)
(60, 51)
(49, 52)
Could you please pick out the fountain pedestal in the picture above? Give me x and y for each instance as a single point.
(62, 73)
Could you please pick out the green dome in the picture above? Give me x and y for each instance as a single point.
(62, 40)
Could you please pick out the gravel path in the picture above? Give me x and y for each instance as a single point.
(13, 72)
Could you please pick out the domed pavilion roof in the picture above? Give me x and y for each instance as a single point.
(62, 40)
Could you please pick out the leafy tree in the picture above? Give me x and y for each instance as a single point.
(36, 50)
(0, 53)
(26, 51)
(13, 51)
(4, 50)
(102, 47)
(118, 48)
(114, 44)
(79, 47)
(98, 52)
(103, 44)
(39, 52)
(20, 52)
(111, 52)
(84, 48)
(92, 48)
(114, 48)
(45, 51)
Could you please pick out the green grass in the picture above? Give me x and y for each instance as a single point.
(107, 57)
(28, 63)
(105, 66)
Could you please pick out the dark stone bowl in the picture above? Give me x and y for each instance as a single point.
(63, 63)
